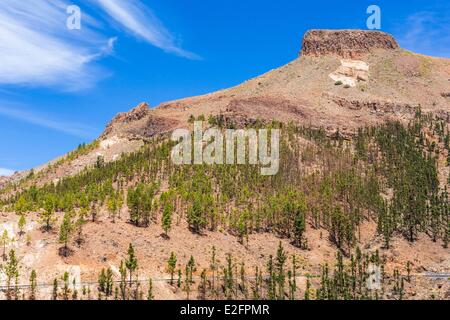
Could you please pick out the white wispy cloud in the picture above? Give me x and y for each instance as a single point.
(142, 23)
(37, 48)
(6, 172)
(426, 32)
(47, 121)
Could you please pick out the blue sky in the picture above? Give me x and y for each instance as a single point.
(59, 87)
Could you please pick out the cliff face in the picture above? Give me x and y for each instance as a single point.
(139, 122)
(137, 113)
(345, 43)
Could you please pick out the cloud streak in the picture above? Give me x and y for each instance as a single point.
(427, 32)
(142, 23)
(45, 121)
(37, 49)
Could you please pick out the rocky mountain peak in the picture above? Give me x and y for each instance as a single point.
(137, 113)
(345, 43)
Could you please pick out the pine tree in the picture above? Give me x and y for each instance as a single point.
(191, 267)
(242, 226)
(102, 281)
(290, 284)
(109, 283)
(21, 224)
(171, 265)
(64, 234)
(79, 229)
(100, 162)
(139, 201)
(308, 289)
(293, 278)
(386, 224)
(196, 218)
(167, 218)
(55, 289)
(202, 285)
(256, 287)
(243, 285)
(112, 207)
(271, 288)
(116, 293)
(66, 290)
(4, 242)
(11, 270)
(123, 280)
(21, 206)
(131, 262)
(187, 282)
(213, 268)
(228, 277)
(280, 269)
(119, 201)
(299, 228)
(179, 279)
(33, 285)
(47, 215)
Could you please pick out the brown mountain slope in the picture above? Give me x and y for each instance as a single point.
(378, 81)
(394, 84)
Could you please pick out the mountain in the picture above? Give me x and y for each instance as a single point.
(364, 176)
(385, 82)
(380, 81)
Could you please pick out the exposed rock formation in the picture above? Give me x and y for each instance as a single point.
(137, 113)
(346, 43)
(375, 106)
(155, 125)
(350, 72)
(138, 123)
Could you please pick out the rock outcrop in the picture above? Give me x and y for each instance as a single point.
(346, 43)
(137, 113)
(138, 123)
(378, 107)
(351, 72)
